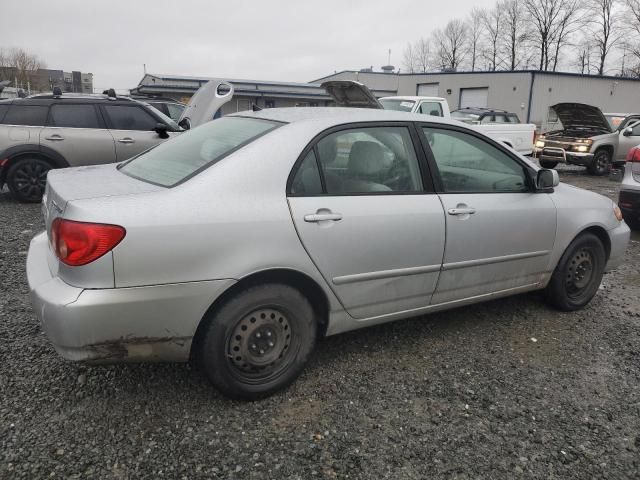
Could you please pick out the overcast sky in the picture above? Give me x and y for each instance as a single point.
(265, 40)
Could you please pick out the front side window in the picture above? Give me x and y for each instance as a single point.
(125, 117)
(175, 111)
(467, 163)
(369, 160)
(181, 157)
(431, 108)
(31, 115)
(74, 116)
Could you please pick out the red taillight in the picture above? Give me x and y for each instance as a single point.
(633, 155)
(3, 162)
(79, 243)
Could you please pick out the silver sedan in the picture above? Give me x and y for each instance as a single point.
(241, 242)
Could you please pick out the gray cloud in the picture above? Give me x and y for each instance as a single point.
(267, 40)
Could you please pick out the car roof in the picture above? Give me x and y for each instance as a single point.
(329, 116)
(480, 110)
(48, 98)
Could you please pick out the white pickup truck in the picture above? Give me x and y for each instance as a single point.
(518, 136)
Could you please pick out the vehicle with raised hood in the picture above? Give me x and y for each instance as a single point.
(586, 138)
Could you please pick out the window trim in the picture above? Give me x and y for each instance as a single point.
(423, 166)
(433, 166)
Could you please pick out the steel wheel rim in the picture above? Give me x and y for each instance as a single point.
(260, 344)
(580, 272)
(30, 179)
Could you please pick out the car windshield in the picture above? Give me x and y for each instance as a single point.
(397, 104)
(464, 116)
(615, 121)
(168, 120)
(189, 153)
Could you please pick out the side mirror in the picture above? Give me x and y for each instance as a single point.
(547, 179)
(185, 123)
(161, 130)
(627, 132)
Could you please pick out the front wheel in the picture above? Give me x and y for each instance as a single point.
(259, 341)
(578, 274)
(27, 179)
(548, 164)
(601, 163)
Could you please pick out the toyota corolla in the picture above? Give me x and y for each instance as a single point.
(242, 241)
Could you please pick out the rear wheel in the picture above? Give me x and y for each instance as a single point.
(259, 341)
(601, 164)
(27, 178)
(548, 164)
(578, 274)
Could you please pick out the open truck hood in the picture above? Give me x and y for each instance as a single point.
(349, 93)
(581, 116)
(205, 103)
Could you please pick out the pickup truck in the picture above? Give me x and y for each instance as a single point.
(349, 93)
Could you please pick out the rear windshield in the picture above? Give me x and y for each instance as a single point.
(191, 152)
(400, 105)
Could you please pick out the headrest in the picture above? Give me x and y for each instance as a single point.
(366, 158)
(328, 149)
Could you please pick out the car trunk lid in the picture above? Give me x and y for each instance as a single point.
(578, 116)
(349, 93)
(68, 184)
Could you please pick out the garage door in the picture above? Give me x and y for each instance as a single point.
(474, 97)
(428, 90)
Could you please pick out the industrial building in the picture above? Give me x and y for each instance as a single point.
(264, 94)
(43, 80)
(527, 93)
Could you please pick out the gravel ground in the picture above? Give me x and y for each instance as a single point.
(505, 389)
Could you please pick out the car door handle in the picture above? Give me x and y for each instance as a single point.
(127, 140)
(55, 138)
(321, 217)
(462, 211)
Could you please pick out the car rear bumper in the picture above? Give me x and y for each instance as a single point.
(553, 154)
(629, 203)
(619, 238)
(151, 323)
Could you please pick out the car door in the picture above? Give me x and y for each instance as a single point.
(132, 128)
(76, 131)
(628, 139)
(500, 233)
(367, 215)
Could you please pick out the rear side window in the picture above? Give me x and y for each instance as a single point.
(182, 157)
(431, 108)
(130, 117)
(31, 115)
(3, 111)
(74, 116)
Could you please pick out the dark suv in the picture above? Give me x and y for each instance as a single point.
(484, 115)
(56, 131)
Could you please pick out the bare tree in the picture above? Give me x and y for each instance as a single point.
(606, 22)
(409, 61)
(584, 60)
(451, 44)
(632, 23)
(492, 22)
(543, 15)
(475, 29)
(569, 21)
(514, 32)
(18, 65)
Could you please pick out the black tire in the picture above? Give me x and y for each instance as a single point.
(601, 163)
(578, 274)
(27, 178)
(280, 328)
(548, 164)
